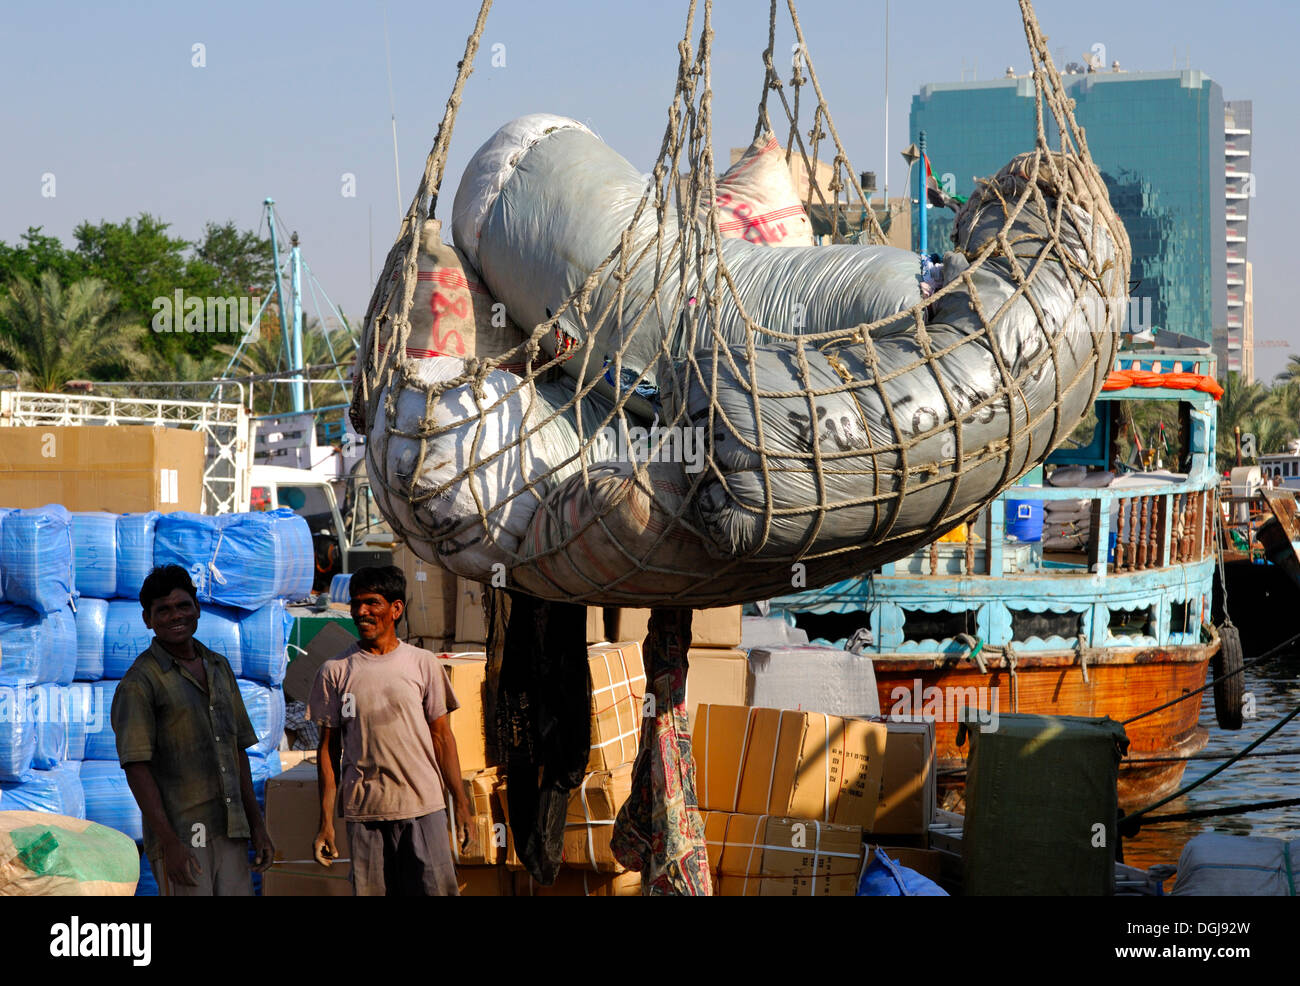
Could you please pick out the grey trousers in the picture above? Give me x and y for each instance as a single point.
(408, 857)
(223, 871)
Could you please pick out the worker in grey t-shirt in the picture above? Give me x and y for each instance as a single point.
(383, 708)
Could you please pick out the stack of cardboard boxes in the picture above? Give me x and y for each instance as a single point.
(789, 797)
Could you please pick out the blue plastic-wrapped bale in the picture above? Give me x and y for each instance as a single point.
(340, 591)
(47, 708)
(57, 791)
(61, 632)
(94, 553)
(85, 714)
(109, 800)
(17, 731)
(244, 560)
(125, 636)
(265, 707)
(25, 652)
(262, 768)
(264, 643)
(134, 552)
(147, 885)
(101, 744)
(4, 512)
(219, 632)
(36, 558)
(92, 624)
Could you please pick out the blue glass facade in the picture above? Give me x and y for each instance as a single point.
(1158, 139)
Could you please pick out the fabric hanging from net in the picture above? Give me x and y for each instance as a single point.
(634, 389)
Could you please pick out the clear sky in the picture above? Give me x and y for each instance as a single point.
(294, 96)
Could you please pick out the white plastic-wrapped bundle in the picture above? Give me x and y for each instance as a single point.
(219, 631)
(57, 855)
(26, 653)
(134, 552)
(92, 625)
(36, 558)
(244, 559)
(125, 637)
(264, 643)
(265, 707)
(109, 800)
(447, 530)
(56, 790)
(94, 553)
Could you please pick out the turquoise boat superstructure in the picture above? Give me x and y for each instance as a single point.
(1115, 627)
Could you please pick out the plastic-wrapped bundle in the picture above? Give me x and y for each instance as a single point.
(134, 552)
(109, 800)
(36, 558)
(446, 529)
(48, 710)
(57, 790)
(94, 553)
(61, 633)
(125, 637)
(92, 627)
(243, 560)
(265, 707)
(339, 589)
(48, 855)
(25, 651)
(17, 731)
(88, 707)
(219, 631)
(148, 885)
(895, 461)
(264, 643)
(551, 214)
(262, 767)
(101, 744)
(4, 512)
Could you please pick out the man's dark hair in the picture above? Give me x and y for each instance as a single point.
(162, 582)
(387, 580)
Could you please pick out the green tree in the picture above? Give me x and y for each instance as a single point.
(265, 355)
(1291, 372)
(54, 334)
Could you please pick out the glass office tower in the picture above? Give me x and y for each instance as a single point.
(1158, 139)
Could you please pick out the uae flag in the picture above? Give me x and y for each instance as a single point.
(935, 194)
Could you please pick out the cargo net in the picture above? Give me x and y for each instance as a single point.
(702, 407)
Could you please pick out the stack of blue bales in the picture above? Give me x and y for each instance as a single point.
(71, 625)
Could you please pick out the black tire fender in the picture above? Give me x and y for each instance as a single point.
(1228, 692)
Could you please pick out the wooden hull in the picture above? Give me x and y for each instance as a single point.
(1121, 683)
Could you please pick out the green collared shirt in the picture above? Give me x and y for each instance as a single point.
(191, 737)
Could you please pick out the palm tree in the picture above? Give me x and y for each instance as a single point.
(265, 355)
(183, 366)
(53, 334)
(1239, 406)
(1291, 372)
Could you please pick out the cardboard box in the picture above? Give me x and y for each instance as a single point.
(580, 883)
(490, 831)
(297, 881)
(596, 625)
(589, 823)
(811, 765)
(718, 627)
(907, 790)
(467, 674)
(331, 641)
(118, 468)
(484, 881)
(617, 690)
(293, 819)
(471, 619)
(780, 762)
(717, 677)
(431, 596)
(720, 736)
(758, 855)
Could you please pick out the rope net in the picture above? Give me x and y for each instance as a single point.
(691, 416)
